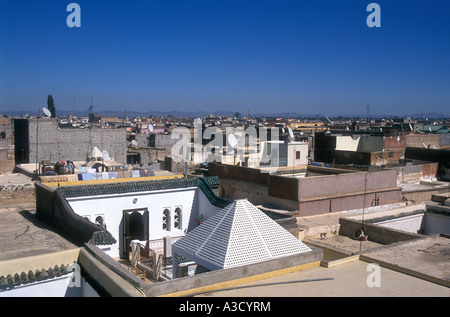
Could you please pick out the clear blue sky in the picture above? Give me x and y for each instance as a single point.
(310, 57)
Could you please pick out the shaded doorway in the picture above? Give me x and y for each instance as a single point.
(135, 227)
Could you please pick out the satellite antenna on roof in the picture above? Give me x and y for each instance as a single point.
(47, 112)
(291, 134)
(134, 143)
(150, 128)
(105, 156)
(233, 142)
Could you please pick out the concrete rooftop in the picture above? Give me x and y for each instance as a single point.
(345, 280)
(417, 268)
(23, 235)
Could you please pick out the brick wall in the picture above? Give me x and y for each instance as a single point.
(385, 157)
(247, 174)
(394, 142)
(283, 187)
(13, 194)
(430, 170)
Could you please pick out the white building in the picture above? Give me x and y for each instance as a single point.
(146, 211)
(286, 153)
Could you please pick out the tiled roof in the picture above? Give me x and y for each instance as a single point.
(435, 129)
(128, 187)
(103, 237)
(31, 276)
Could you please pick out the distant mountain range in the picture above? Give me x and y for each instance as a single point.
(200, 114)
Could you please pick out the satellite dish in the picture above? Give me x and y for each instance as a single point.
(291, 134)
(134, 143)
(105, 156)
(150, 128)
(232, 140)
(410, 126)
(47, 112)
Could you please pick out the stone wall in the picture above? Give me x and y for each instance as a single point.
(13, 194)
(162, 141)
(48, 142)
(431, 141)
(445, 141)
(6, 146)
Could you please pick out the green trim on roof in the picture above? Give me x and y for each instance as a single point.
(126, 187)
(37, 275)
(205, 184)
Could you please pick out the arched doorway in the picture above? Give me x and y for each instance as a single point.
(135, 227)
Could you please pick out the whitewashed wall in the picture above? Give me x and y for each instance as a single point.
(428, 223)
(191, 200)
(411, 223)
(51, 287)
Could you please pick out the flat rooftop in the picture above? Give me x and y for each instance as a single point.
(415, 268)
(22, 234)
(15, 179)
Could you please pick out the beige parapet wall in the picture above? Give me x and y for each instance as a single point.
(38, 262)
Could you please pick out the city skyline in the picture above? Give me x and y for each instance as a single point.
(241, 56)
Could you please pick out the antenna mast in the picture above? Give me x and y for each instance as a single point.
(73, 110)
